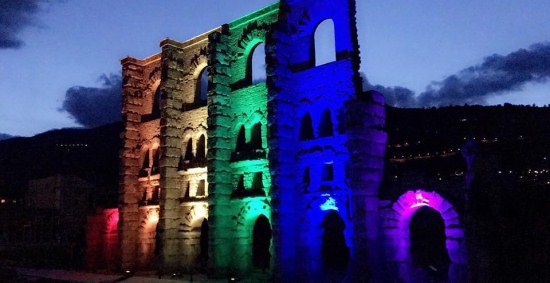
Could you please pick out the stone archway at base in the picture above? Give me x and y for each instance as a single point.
(397, 232)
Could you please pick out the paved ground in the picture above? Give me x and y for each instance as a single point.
(56, 275)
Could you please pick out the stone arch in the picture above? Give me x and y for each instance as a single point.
(256, 136)
(201, 85)
(240, 143)
(398, 220)
(153, 112)
(201, 147)
(323, 45)
(256, 70)
(145, 160)
(306, 128)
(188, 154)
(334, 250)
(428, 239)
(325, 124)
(261, 242)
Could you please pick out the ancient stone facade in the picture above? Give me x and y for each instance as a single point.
(280, 179)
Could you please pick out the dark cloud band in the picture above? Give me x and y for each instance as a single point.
(496, 75)
(92, 106)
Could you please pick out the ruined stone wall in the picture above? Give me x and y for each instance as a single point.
(183, 127)
(139, 176)
(305, 144)
(239, 174)
(314, 141)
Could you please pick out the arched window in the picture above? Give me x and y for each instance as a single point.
(155, 113)
(428, 240)
(325, 125)
(189, 151)
(306, 129)
(201, 148)
(201, 90)
(241, 140)
(261, 240)
(256, 136)
(334, 250)
(257, 64)
(146, 162)
(324, 47)
(156, 161)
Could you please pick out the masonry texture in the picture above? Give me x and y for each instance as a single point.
(274, 179)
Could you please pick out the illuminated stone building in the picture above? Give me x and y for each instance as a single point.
(276, 178)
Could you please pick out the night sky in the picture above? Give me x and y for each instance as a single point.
(59, 60)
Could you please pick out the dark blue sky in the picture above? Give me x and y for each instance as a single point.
(434, 50)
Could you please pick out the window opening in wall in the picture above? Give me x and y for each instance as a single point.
(187, 189)
(257, 182)
(240, 185)
(325, 126)
(256, 136)
(241, 140)
(306, 128)
(428, 241)
(257, 64)
(328, 172)
(155, 110)
(155, 196)
(204, 243)
(143, 172)
(306, 179)
(156, 160)
(324, 47)
(261, 240)
(201, 95)
(334, 250)
(201, 148)
(201, 189)
(189, 151)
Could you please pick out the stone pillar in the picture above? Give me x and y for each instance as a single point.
(219, 152)
(366, 144)
(281, 156)
(172, 75)
(132, 95)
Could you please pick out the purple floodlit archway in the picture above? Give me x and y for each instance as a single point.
(397, 224)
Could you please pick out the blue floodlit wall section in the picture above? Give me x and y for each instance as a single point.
(297, 89)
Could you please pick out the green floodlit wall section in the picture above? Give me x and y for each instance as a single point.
(240, 189)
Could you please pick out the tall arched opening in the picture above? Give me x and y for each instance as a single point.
(412, 247)
(261, 241)
(334, 250)
(204, 244)
(428, 241)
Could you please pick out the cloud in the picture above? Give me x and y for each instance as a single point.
(15, 15)
(395, 96)
(92, 106)
(496, 75)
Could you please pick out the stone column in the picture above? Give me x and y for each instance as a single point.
(219, 152)
(172, 74)
(132, 95)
